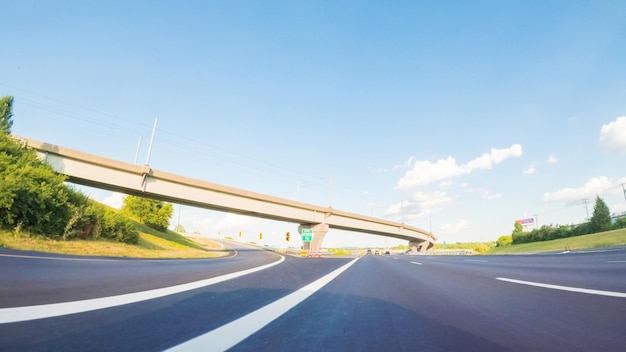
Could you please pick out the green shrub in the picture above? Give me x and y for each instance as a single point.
(35, 199)
(504, 241)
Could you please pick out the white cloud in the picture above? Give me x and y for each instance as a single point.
(456, 228)
(488, 195)
(420, 204)
(197, 222)
(235, 222)
(552, 159)
(425, 172)
(445, 183)
(590, 189)
(407, 164)
(613, 135)
(531, 170)
(115, 200)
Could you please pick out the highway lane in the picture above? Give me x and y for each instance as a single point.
(417, 303)
(157, 324)
(400, 303)
(29, 278)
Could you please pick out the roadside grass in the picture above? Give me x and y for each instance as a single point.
(152, 244)
(602, 239)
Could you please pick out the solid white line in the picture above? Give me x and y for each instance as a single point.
(566, 288)
(238, 330)
(416, 263)
(61, 258)
(16, 314)
(616, 261)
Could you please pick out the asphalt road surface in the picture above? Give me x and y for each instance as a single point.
(566, 302)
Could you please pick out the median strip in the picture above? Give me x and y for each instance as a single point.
(565, 288)
(238, 330)
(17, 314)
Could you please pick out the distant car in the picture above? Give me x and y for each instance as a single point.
(387, 253)
(369, 251)
(377, 252)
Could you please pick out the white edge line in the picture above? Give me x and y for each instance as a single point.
(566, 288)
(416, 263)
(229, 335)
(17, 314)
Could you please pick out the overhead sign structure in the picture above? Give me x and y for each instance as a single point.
(307, 235)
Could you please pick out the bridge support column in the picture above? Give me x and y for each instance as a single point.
(319, 232)
(418, 246)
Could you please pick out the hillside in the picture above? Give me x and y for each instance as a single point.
(152, 244)
(597, 240)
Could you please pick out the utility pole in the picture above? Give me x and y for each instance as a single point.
(156, 119)
(430, 223)
(137, 152)
(330, 191)
(624, 190)
(179, 208)
(586, 207)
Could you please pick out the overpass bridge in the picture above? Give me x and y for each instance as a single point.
(96, 171)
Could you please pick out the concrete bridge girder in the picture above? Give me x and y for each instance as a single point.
(96, 171)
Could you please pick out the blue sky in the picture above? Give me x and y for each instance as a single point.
(455, 116)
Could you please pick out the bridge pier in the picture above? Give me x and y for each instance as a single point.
(418, 246)
(319, 232)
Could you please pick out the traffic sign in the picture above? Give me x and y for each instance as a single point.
(307, 235)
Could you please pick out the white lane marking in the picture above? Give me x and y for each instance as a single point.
(616, 261)
(17, 314)
(476, 260)
(111, 259)
(566, 288)
(61, 258)
(416, 263)
(238, 330)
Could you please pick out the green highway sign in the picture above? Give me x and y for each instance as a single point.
(307, 235)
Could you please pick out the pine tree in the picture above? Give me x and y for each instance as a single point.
(601, 218)
(6, 114)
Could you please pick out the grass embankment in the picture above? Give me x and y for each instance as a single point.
(152, 244)
(597, 240)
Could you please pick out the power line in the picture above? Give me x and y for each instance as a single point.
(116, 125)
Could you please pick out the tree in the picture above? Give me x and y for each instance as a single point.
(153, 213)
(504, 241)
(6, 114)
(179, 229)
(601, 218)
(33, 196)
(35, 199)
(518, 228)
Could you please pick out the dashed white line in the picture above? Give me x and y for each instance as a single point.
(416, 263)
(16, 314)
(238, 330)
(476, 260)
(565, 288)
